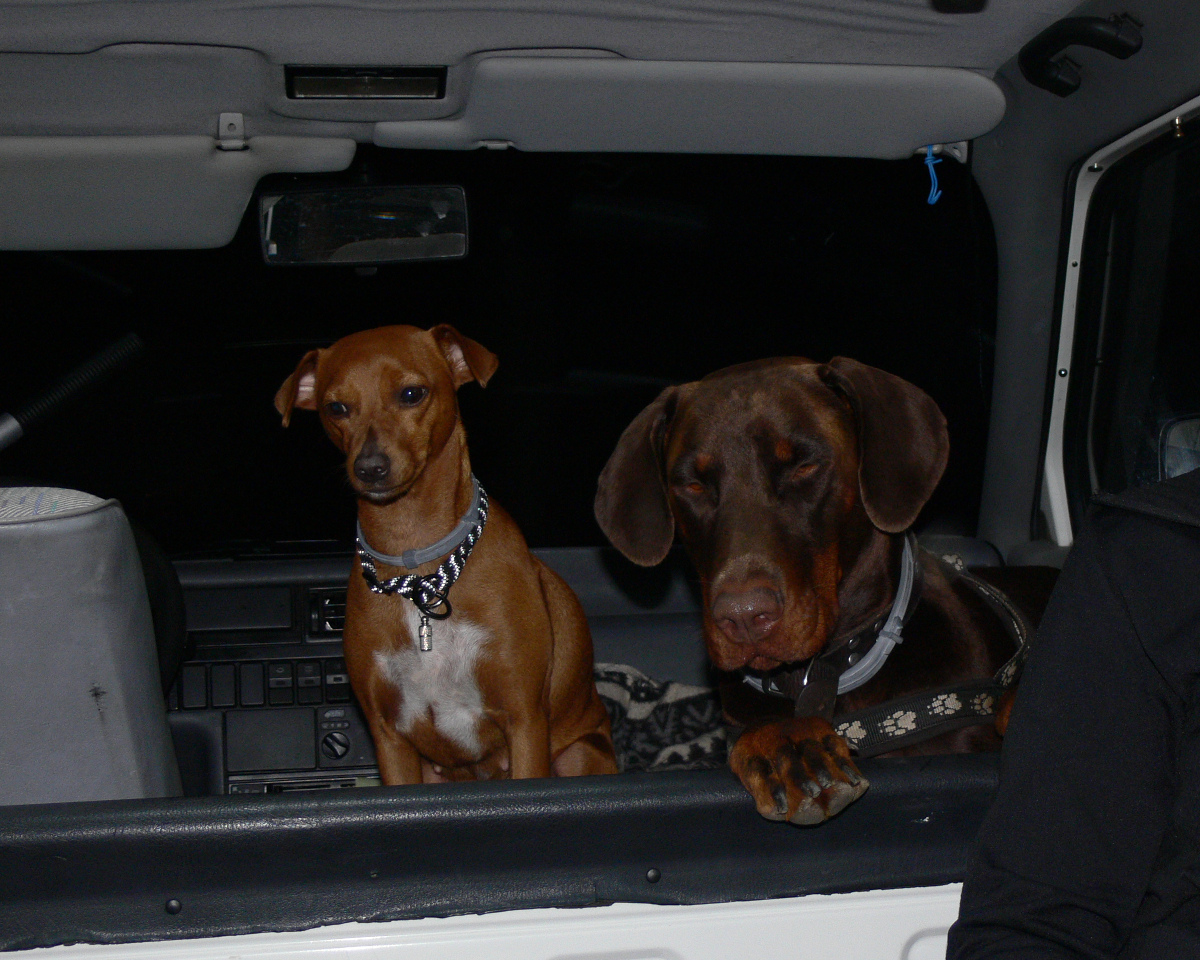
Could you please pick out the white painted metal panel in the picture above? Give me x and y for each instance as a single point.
(908, 924)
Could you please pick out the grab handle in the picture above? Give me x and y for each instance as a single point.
(1118, 36)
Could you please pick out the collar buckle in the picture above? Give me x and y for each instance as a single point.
(849, 666)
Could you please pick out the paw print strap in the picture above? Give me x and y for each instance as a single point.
(908, 720)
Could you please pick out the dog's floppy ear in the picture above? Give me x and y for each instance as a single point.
(468, 360)
(299, 391)
(902, 441)
(631, 495)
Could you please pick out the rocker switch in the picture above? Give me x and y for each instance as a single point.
(250, 677)
(193, 685)
(337, 683)
(281, 684)
(308, 681)
(224, 691)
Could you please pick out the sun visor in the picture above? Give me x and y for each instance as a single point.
(615, 104)
(116, 193)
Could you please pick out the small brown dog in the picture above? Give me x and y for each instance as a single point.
(486, 671)
(792, 485)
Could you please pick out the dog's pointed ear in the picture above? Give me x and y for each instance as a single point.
(903, 444)
(299, 391)
(468, 360)
(631, 495)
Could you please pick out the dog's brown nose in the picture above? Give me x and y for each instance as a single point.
(372, 466)
(746, 616)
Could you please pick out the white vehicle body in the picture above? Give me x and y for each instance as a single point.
(874, 925)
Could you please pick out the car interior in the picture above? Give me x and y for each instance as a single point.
(612, 198)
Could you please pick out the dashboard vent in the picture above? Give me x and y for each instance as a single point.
(365, 83)
(327, 612)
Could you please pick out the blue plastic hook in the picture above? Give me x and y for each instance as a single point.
(930, 160)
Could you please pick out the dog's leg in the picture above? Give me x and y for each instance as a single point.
(797, 770)
(529, 745)
(589, 755)
(399, 762)
(1004, 709)
(581, 713)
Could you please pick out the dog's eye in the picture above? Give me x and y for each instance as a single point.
(805, 470)
(335, 408)
(695, 488)
(411, 396)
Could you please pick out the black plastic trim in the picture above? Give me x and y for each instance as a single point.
(104, 872)
(365, 83)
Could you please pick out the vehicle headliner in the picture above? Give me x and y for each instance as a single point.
(893, 32)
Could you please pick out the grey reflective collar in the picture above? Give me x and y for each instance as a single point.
(849, 663)
(890, 634)
(411, 559)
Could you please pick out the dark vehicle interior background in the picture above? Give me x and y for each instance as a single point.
(597, 279)
(599, 271)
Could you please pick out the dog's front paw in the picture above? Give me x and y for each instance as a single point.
(797, 770)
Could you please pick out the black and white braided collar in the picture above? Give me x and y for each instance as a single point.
(429, 593)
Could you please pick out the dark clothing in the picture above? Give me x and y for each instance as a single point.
(1092, 848)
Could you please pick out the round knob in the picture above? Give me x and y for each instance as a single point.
(335, 745)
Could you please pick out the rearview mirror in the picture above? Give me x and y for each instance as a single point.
(363, 225)
(1179, 447)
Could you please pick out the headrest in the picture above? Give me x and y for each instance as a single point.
(20, 504)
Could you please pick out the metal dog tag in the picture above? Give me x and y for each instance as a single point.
(818, 690)
(425, 635)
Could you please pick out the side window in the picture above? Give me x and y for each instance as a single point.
(1137, 351)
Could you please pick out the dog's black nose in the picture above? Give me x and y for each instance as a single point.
(746, 616)
(372, 466)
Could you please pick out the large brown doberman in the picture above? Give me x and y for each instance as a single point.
(792, 485)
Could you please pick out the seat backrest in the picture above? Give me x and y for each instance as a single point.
(84, 717)
(961, 551)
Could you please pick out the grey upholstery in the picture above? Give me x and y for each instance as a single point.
(648, 619)
(447, 31)
(1038, 553)
(668, 646)
(971, 551)
(83, 709)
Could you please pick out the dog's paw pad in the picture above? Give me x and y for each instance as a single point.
(795, 775)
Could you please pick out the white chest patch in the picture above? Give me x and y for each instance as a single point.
(439, 684)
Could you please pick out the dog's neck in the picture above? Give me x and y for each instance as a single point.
(868, 586)
(429, 509)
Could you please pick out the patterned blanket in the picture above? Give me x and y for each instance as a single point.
(661, 725)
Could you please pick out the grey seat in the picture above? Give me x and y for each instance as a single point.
(958, 550)
(648, 619)
(79, 679)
